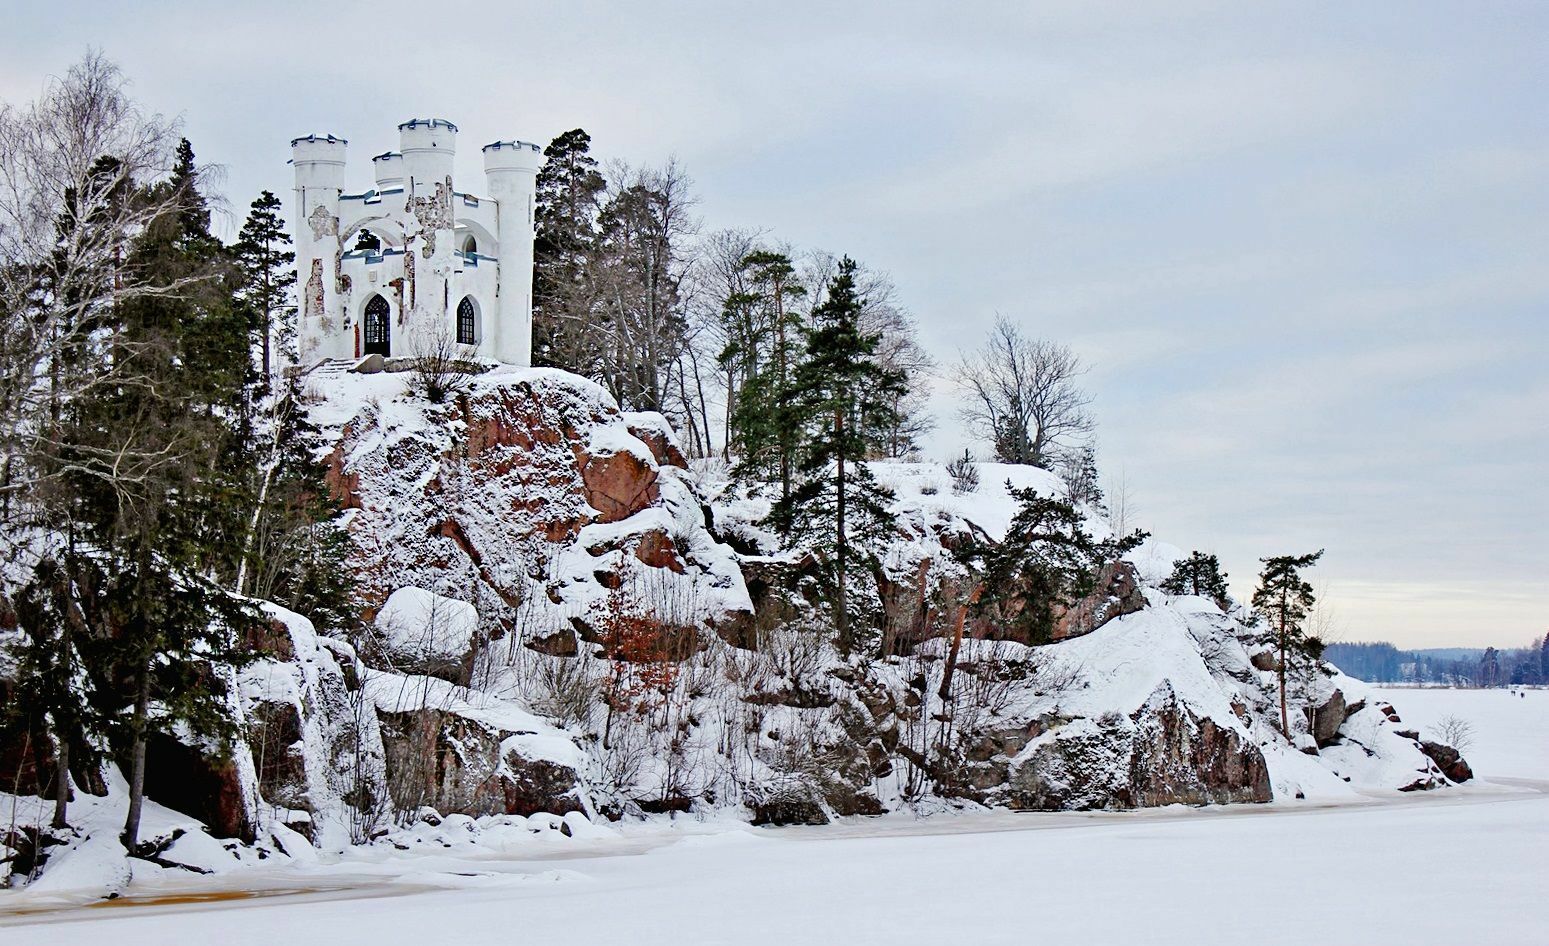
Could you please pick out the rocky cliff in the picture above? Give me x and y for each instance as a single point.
(563, 618)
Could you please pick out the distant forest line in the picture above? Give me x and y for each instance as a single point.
(1381, 662)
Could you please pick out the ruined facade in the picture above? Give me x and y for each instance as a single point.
(413, 261)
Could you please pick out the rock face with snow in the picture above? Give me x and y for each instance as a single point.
(471, 758)
(1161, 754)
(532, 498)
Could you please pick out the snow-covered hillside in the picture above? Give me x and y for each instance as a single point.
(518, 543)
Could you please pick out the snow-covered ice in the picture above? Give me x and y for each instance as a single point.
(1455, 866)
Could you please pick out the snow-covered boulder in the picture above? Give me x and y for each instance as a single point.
(313, 735)
(463, 752)
(421, 631)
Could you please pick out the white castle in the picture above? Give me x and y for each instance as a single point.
(433, 261)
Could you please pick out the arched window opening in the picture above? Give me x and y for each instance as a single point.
(377, 332)
(367, 241)
(467, 322)
(470, 245)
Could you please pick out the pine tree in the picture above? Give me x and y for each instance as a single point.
(1078, 471)
(1199, 574)
(268, 275)
(1284, 601)
(1045, 564)
(764, 426)
(837, 392)
(569, 200)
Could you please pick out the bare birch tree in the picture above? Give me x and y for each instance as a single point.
(69, 164)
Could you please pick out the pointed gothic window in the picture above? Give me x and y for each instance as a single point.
(467, 322)
(378, 335)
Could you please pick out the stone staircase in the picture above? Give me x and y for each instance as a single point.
(323, 375)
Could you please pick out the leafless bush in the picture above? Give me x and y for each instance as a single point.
(795, 653)
(1455, 732)
(567, 690)
(440, 373)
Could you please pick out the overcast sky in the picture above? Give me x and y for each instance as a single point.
(1304, 246)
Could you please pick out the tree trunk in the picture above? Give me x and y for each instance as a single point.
(142, 700)
(784, 389)
(841, 544)
(957, 642)
(1285, 718)
(61, 782)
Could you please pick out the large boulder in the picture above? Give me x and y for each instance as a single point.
(1324, 719)
(476, 759)
(419, 631)
(786, 802)
(204, 782)
(1162, 754)
(1449, 760)
(1117, 593)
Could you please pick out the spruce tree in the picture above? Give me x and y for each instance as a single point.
(569, 200)
(1078, 471)
(764, 425)
(837, 392)
(268, 275)
(1283, 600)
(1199, 574)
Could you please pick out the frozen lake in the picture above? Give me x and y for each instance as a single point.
(1453, 866)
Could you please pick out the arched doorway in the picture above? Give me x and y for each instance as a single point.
(378, 334)
(467, 322)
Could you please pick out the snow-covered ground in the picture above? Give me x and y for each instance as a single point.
(1448, 866)
(1509, 728)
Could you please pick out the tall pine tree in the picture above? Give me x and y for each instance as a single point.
(837, 393)
(268, 275)
(1283, 601)
(569, 199)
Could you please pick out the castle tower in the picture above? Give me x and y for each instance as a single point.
(429, 147)
(511, 174)
(388, 167)
(319, 166)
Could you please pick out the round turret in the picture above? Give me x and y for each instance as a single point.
(318, 160)
(389, 170)
(512, 156)
(429, 146)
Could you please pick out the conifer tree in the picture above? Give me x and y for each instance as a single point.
(764, 424)
(1046, 563)
(569, 199)
(150, 535)
(837, 392)
(268, 274)
(1199, 574)
(1283, 600)
(1078, 471)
